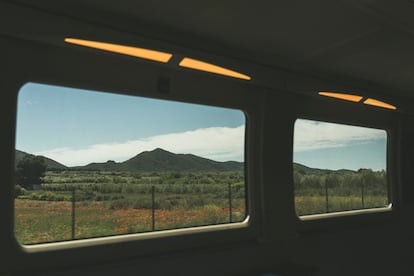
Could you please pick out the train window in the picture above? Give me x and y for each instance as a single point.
(92, 164)
(338, 167)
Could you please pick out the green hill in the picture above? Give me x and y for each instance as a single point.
(50, 163)
(161, 160)
(307, 170)
(95, 166)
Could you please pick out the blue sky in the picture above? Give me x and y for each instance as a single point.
(337, 146)
(76, 127)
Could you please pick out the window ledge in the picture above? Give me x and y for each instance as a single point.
(346, 213)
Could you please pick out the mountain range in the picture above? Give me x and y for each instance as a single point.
(155, 160)
(307, 170)
(159, 160)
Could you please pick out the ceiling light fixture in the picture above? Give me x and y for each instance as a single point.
(342, 96)
(122, 49)
(208, 67)
(377, 103)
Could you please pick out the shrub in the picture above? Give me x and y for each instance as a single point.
(19, 191)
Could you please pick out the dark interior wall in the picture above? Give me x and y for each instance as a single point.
(276, 241)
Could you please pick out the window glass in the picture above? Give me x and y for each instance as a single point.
(338, 167)
(92, 164)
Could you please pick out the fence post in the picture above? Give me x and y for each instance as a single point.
(362, 194)
(153, 208)
(326, 195)
(230, 205)
(73, 213)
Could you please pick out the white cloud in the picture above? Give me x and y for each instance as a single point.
(311, 135)
(217, 143)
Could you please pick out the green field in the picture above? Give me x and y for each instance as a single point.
(83, 204)
(45, 221)
(309, 205)
(323, 191)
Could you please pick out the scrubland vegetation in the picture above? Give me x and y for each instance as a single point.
(323, 191)
(82, 204)
(79, 204)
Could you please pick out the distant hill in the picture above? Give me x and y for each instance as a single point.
(307, 170)
(19, 155)
(106, 166)
(161, 160)
(50, 163)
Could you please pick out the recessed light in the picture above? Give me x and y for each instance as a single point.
(123, 49)
(377, 103)
(342, 96)
(208, 67)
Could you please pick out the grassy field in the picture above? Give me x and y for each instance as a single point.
(45, 221)
(318, 192)
(316, 204)
(78, 204)
(84, 204)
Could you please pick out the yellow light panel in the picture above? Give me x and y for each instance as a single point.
(379, 104)
(347, 97)
(211, 68)
(122, 49)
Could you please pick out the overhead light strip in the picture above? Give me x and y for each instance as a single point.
(211, 68)
(377, 103)
(357, 99)
(159, 56)
(347, 97)
(122, 49)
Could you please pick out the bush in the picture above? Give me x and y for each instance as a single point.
(30, 170)
(19, 191)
